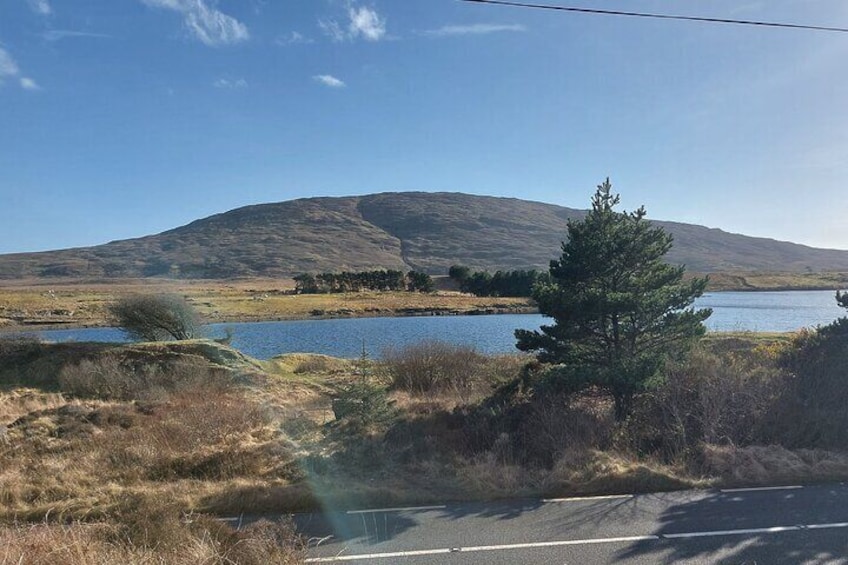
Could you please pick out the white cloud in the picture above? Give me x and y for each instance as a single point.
(8, 66)
(367, 23)
(293, 38)
(230, 84)
(29, 84)
(474, 29)
(9, 69)
(363, 23)
(329, 80)
(40, 7)
(204, 21)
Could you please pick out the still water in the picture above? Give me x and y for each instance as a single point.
(732, 311)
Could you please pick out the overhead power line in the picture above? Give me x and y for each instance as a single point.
(657, 16)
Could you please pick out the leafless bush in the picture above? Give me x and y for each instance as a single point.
(709, 398)
(560, 424)
(811, 412)
(434, 366)
(156, 317)
(17, 354)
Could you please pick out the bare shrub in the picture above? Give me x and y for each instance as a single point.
(434, 366)
(17, 355)
(811, 412)
(114, 377)
(712, 398)
(156, 317)
(563, 424)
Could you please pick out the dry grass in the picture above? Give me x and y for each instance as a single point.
(81, 303)
(260, 444)
(191, 540)
(142, 419)
(772, 464)
(76, 459)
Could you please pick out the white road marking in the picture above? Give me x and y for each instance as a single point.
(774, 530)
(824, 526)
(756, 489)
(478, 548)
(590, 498)
(406, 509)
(534, 545)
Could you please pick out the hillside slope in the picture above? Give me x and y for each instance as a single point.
(426, 231)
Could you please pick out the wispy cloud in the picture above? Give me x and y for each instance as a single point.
(40, 7)
(29, 84)
(474, 29)
(9, 70)
(363, 22)
(231, 84)
(293, 38)
(60, 34)
(8, 66)
(332, 29)
(329, 80)
(205, 22)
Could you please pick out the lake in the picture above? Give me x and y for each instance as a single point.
(732, 311)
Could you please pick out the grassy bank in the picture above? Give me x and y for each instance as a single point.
(100, 444)
(724, 281)
(70, 303)
(78, 304)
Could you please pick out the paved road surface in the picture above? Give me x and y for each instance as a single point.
(790, 525)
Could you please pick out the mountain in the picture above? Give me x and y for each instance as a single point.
(407, 230)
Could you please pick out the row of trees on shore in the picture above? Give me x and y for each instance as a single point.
(517, 283)
(356, 281)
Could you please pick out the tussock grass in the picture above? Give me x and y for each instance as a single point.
(197, 427)
(161, 536)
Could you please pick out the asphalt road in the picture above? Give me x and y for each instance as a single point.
(786, 525)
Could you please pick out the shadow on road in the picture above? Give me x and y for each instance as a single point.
(716, 512)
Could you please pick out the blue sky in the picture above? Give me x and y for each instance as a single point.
(122, 118)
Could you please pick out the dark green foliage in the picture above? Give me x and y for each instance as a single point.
(842, 299)
(419, 282)
(156, 317)
(619, 310)
(348, 281)
(459, 272)
(478, 283)
(306, 284)
(517, 283)
(363, 406)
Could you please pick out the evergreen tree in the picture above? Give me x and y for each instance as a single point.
(619, 309)
(419, 282)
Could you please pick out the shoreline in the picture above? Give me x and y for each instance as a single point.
(39, 304)
(36, 325)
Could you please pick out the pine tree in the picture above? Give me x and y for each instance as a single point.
(619, 310)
